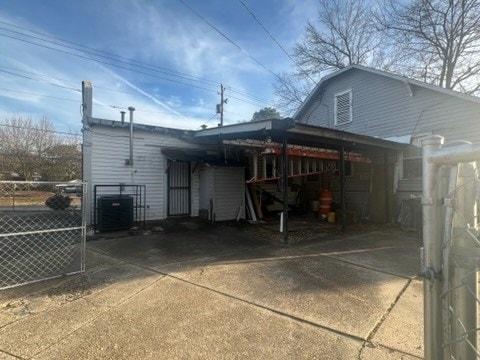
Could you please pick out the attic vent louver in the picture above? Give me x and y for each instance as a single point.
(343, 107)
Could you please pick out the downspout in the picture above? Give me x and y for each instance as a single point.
(131, 109)
(87, 105)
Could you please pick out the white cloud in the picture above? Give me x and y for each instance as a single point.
(163, 34)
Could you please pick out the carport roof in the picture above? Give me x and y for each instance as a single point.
(274, 129)
(296, 133)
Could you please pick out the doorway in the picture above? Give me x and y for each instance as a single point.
(179, 189)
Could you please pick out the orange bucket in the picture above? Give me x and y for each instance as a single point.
(325, 201)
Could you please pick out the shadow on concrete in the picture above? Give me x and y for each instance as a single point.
(182, 246)
(344, 284)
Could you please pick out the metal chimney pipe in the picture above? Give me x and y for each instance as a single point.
(131, 109)
(123, 116)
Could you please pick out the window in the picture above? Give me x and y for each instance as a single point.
(412, 163)
(343, 107)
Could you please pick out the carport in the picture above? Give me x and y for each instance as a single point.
(290, 140)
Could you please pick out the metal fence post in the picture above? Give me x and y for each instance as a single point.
(432, 252)
(449, 203)
(463, 277)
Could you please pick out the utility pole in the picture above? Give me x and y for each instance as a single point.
(220, 106)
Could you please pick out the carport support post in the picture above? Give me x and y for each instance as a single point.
(342, 187)
(285, 190)
(432, 252)
(387, 213)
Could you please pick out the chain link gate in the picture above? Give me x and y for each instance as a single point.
(42, 231)
(451, 252)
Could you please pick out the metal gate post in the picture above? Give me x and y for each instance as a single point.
(463, 277)
(432, 252)
(449, 203)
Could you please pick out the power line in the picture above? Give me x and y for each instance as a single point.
(42, 81)
(116, 65)
(275, 40)
(37, 129)
(37, 94)
(109, 55)
(230, 40)
(73, 81)
(107, 63)
(210, 119)
(130, 62)
(116, 107)
(132, 93)
(40, 74)
(256, 98)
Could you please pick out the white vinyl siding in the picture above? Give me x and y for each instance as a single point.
(108, 150)
(223, 192)
(343, 108)
(383, 107)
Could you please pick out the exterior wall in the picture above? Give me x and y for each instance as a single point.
(225, 188)
(229, 193)
(108, 149)
(383, 107)
(357, 188)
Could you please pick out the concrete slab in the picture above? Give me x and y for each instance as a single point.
(319, 289)
(5, 356)
(206, 241)
(379, 353)
(174, 320)
(230, 295)
(42, 319)
(19, 302)
(392, 252)
(403, 328)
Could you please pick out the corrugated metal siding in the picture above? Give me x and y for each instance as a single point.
(383, 107)
(229, 193)
(110, 149)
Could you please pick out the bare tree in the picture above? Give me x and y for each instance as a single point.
(29, 147)
(64, 160)
(343, 35)
(441, 37)
(291, 89)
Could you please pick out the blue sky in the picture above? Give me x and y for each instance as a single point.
(39, 81)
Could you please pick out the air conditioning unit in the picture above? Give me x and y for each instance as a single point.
(114, 212)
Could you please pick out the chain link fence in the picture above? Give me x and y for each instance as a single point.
(42, 231)
(451, 258)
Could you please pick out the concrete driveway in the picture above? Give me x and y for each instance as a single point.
(219, 292)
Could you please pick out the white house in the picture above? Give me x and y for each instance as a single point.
(367, 120)
(171, 172)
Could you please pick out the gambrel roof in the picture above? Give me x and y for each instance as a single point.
(407, 81)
